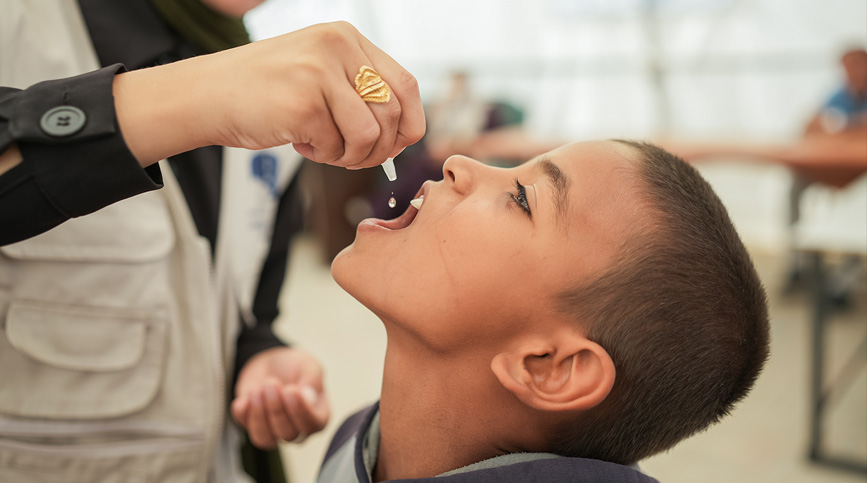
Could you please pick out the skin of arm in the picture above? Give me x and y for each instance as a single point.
(10, 158)
(159, 104)
(294, 88)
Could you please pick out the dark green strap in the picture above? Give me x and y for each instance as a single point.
(202, 26)
(262, 466)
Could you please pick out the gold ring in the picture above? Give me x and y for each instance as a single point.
(370, 86)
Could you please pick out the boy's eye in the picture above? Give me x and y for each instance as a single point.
(520, 198)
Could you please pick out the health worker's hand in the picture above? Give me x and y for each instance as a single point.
(296, 88)
(279, 397)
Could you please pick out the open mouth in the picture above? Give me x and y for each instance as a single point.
(406, 218)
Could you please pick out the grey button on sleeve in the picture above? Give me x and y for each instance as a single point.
(74, 159)
(63, 121)
(62, 111)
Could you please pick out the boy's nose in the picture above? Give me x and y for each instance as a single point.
(462, 172)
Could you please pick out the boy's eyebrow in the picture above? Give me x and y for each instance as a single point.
(559, 182)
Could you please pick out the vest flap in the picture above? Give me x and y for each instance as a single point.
(84, 339)
(137, 229)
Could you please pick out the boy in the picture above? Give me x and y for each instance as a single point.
(556, 321)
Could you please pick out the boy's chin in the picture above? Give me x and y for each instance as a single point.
(342, 254)
(339, 269)
(349, 277)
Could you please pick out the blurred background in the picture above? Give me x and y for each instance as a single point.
(742, 88)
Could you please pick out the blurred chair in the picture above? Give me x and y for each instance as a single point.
(832, 231)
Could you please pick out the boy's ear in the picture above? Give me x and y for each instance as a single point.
(570, 373)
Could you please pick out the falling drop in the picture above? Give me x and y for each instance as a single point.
(392, 202)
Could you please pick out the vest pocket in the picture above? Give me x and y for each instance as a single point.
(63, 361)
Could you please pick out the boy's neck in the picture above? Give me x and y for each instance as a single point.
(439, 413)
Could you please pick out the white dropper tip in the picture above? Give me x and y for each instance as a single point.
(417, 202)
(388, 167)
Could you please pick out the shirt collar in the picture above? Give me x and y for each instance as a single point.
(370, 452)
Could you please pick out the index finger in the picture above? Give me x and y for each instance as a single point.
(307, 408)
(404, 86)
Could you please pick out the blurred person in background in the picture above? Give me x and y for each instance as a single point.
(840, 122)
(845, 112)
(127, 332)
(832, 151)
(455, 119)
(460, 121)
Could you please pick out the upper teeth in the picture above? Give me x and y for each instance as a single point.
(417, 202)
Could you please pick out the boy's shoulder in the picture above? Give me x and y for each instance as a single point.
(503, 469)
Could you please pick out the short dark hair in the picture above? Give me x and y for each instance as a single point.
(681, 312)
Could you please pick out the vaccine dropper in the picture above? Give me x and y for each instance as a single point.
(388, 167)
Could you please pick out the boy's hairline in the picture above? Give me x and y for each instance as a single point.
(642, 237)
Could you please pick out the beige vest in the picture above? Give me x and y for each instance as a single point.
(117, 331)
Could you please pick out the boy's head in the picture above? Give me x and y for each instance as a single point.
(855, 64)
(601, 285)
(681, 312)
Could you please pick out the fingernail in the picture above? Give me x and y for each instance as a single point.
(271, 393)
(309, 394)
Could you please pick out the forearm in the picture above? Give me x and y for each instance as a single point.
(161, 110)
(295, 88)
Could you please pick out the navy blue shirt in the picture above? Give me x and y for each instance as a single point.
(348, 461)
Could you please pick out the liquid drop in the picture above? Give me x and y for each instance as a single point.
(392, 202)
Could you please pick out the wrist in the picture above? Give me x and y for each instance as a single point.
(160, 111)
(9, 158)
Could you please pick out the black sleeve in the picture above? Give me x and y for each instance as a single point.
(66, 175)
(259, 337)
